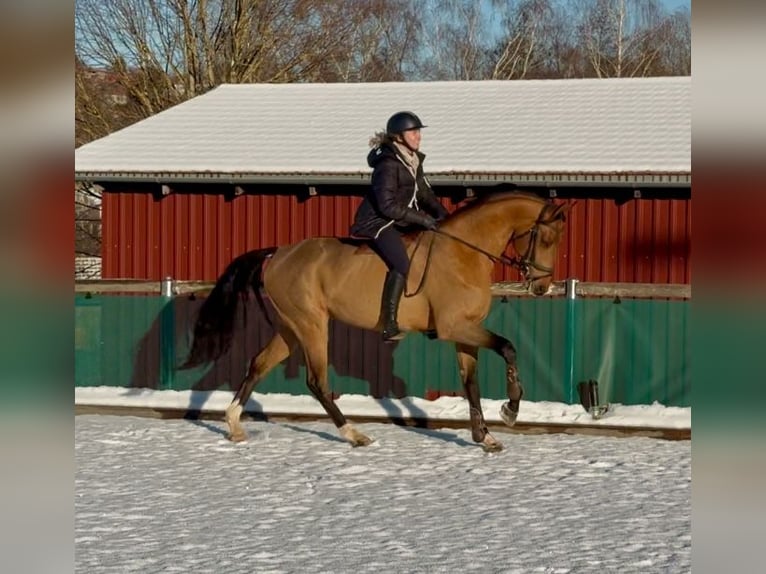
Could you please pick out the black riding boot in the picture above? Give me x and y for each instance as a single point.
(389, 306)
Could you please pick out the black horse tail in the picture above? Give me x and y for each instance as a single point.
(215, 322)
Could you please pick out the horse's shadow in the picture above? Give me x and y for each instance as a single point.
(356, 353)
(320, 434)
(442, 436)
(196, 421)
(430, 433)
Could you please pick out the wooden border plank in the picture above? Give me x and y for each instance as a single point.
(502, 289)
(432, 424)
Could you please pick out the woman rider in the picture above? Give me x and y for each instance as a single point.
(400, 196)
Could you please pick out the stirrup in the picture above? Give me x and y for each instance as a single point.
(391, 335)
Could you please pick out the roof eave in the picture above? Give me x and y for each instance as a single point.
(564, 179)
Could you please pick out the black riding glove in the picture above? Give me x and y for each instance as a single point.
(421, 219)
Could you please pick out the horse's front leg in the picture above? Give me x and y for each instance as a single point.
(467, 358)
(510, 410)
(472, 335)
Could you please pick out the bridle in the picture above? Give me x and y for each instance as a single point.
(524, 262)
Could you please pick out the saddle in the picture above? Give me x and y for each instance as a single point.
(363, 245)
(418, 250)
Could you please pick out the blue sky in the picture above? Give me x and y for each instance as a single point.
(671, 5)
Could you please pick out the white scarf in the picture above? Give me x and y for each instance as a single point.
(409, 157)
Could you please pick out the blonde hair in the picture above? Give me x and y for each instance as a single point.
(380, 138)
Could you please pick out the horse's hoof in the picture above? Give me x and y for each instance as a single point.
(354, 437)
(362, 441)
(491, 445)
(508, 415)
(240, 436)
(479, 436)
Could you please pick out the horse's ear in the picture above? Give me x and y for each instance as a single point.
(561, 210)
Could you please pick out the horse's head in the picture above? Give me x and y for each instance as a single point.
(537, 247)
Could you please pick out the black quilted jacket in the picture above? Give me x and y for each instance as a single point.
(389, 201)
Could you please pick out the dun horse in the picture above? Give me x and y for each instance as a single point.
(448, 293)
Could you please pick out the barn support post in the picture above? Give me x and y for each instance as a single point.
(569, 342)
(167, 335)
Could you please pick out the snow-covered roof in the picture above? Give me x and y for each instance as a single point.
(556, 131)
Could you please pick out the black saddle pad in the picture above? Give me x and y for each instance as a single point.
(408, 235)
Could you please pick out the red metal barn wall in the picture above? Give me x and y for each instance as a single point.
(194, 236)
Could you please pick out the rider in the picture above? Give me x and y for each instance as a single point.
(400, 196)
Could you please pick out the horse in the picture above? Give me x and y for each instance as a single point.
(448, 296)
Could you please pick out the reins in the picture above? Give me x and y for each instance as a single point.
(427, 265)
(504, 259)
(523, 262)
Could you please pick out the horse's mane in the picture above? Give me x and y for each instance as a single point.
(496, 197)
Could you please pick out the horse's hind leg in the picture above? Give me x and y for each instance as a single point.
(314, 339)
(467, 358)
(276, 351)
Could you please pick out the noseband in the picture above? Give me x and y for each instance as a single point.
(526, 261)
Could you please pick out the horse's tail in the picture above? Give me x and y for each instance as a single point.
(215, 322)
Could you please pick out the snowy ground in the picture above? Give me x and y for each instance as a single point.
(175, 496)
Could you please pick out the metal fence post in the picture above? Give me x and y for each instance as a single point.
(569, 344)
(167, 334)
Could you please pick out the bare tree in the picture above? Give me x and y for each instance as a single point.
(674, 36)
(515, 52)
(377, 42)
(138, 57)
(162, 52)
(525, 39)
(455, 42)
(534, 42)
(621, 38)
(87, 221)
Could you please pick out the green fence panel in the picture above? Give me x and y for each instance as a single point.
(535, 327)
(112, 333)
(638, 351)
(33, 362)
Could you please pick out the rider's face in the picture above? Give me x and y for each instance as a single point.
(412, 139)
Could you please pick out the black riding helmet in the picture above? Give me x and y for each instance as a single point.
(403, 121)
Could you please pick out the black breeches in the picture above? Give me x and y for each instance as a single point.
(390, 247)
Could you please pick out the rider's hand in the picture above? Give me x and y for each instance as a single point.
(420, 218)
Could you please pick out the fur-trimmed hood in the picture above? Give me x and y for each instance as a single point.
(382, 148)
